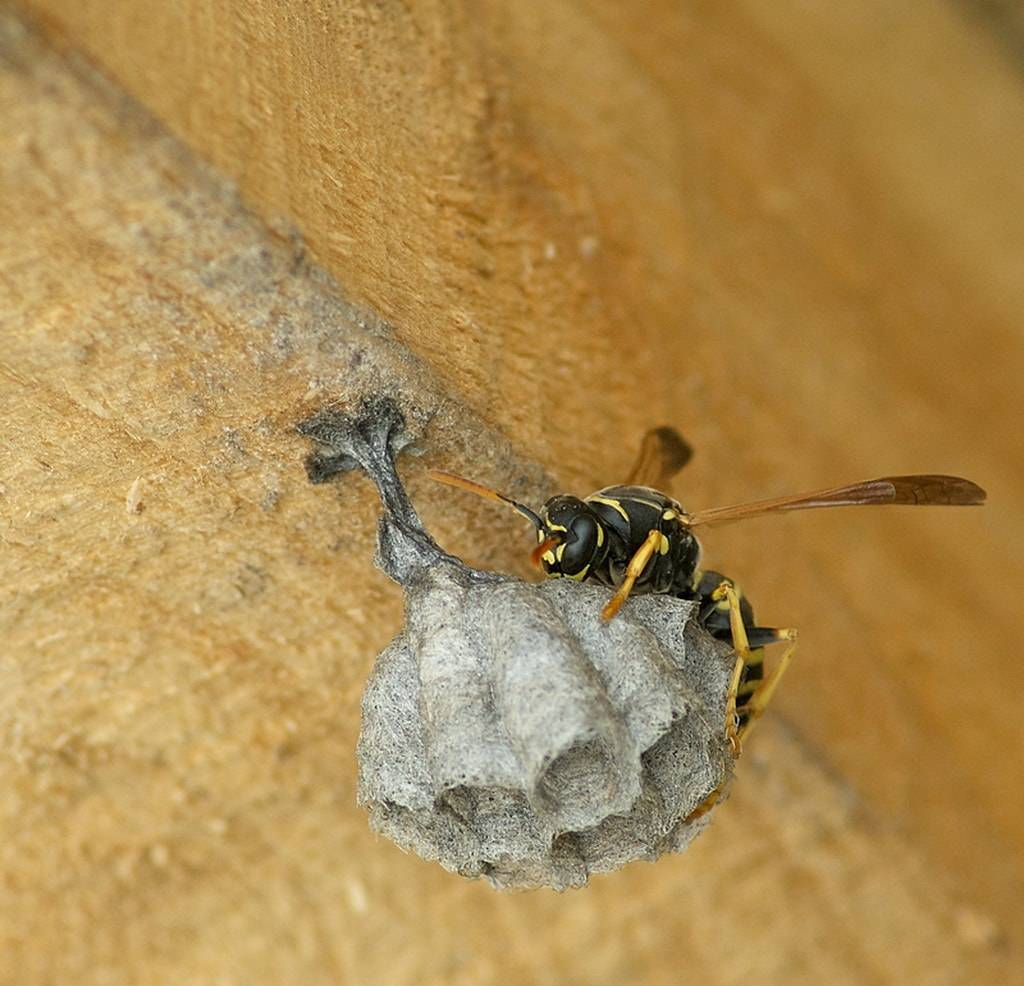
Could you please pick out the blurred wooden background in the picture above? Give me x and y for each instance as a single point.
(795, 231)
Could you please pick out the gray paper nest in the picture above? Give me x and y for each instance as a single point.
(507, 731)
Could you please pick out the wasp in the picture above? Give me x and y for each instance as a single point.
(634, 538)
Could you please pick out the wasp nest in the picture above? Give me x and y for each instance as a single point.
(508, 731)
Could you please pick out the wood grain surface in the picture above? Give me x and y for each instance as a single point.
(794, 232)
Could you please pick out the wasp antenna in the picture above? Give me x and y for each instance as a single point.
(459, 482)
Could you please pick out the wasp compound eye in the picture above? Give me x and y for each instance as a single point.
(581, 546)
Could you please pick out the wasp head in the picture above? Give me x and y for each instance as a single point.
(570, 536)
(570, 539)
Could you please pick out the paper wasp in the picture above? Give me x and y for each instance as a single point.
(634, 538)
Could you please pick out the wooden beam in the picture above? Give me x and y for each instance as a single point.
(551, 226)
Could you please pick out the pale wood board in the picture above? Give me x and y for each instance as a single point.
(804, 254)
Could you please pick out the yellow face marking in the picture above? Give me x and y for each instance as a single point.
(550, 556)
(580, 575)
(664, 546)
(669, 515)
(600, 535)
(614, 504)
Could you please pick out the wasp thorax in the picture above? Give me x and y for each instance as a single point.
(580, 538)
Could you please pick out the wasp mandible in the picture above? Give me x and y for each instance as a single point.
(634, 538)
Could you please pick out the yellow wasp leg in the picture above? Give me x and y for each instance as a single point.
(741, 645)
(758, 702)
(634, 570)
(753, 710)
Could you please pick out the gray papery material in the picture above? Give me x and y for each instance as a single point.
(508, 731)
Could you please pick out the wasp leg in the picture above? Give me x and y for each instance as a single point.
(750, 712)
(741, 645)
(758, 702)
(726, 592)
(634, 570)
(706, 805)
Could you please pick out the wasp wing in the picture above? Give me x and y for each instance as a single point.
(909, 490)
(663, 452)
